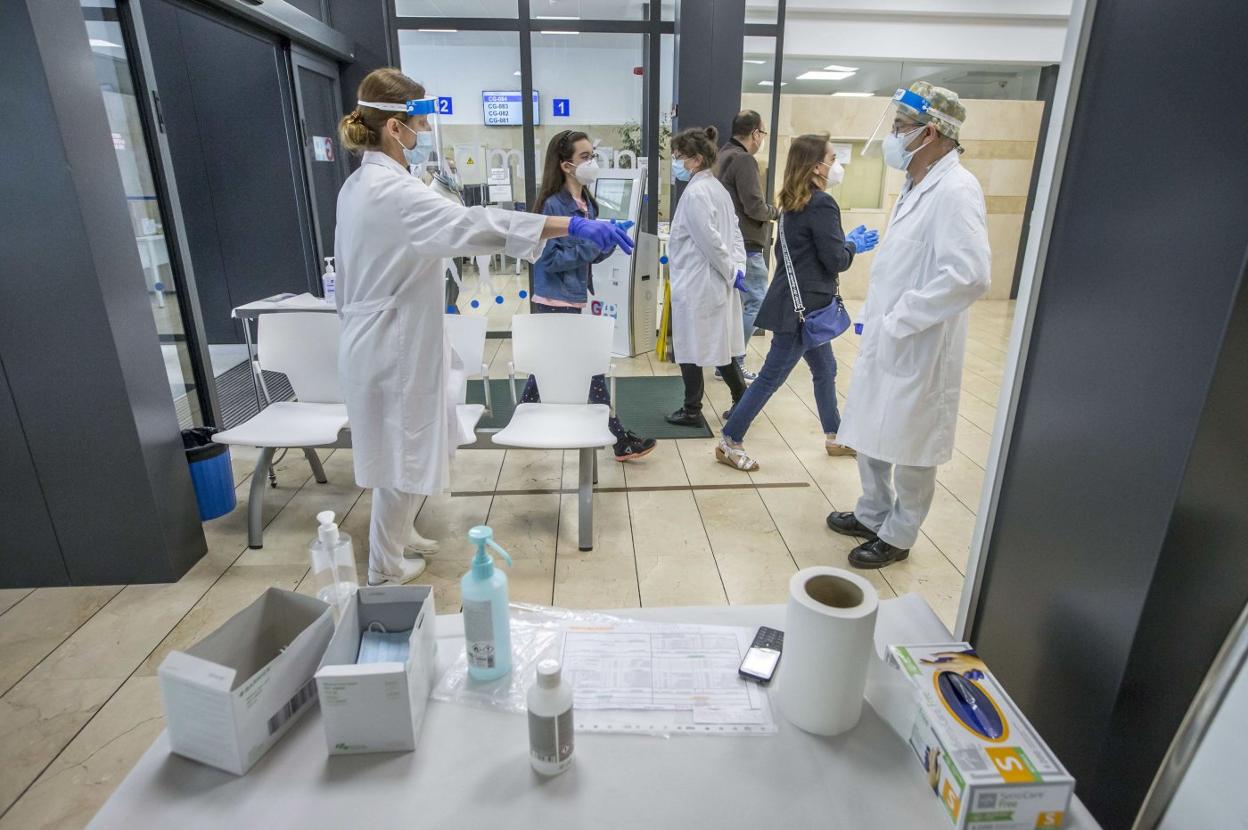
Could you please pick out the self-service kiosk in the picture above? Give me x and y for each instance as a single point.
(626, 286)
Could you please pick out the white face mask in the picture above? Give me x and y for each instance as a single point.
(836, 175)
(894, 146)
(587, 172)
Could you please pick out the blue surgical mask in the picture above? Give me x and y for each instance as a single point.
(894, 146)
(680, 171)
(383, 646)
(418, 154)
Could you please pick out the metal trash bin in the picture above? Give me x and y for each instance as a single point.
(211, 472)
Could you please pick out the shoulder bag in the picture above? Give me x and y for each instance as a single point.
(820, 326)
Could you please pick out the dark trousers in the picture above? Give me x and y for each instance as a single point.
(695, 383)
(597, 386)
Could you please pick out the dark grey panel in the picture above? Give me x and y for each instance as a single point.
(1145, 253)
(320, 108)
(29, 552)
(226, 103)
(78, 342)
(315, 8)
(366, 22)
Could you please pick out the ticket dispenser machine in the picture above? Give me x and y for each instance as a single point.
(626, 286)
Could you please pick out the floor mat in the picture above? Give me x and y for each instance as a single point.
(642, 406)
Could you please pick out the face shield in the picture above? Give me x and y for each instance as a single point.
(912, 108)
(439, 161)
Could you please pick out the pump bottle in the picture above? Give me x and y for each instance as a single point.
(487, 624)
(329, 279)
(333, 563)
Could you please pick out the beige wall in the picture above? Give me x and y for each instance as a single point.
(1000, 141)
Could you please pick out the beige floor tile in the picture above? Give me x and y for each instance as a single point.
(661, 468)
(12, 596)
(980, 387)
(531, 470)
(928, 573)
(610, 471)
(41, 622)
(605, 577)
(242, 462)
(972, 442)
(476, 470)
(526, 527)
(638, 366)
(229, 532)
(659, 367)
(81, 779)
(286, 538)
(978, 413)
(698, 456)
(801, 517)
(964, 479)
(675, 565)
(950, 525)
(754, 563)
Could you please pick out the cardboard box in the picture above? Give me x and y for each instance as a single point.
(378, 707)
(983, 759)
(232, 695)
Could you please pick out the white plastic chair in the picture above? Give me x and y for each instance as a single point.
(564, 352)
(467, 336)
(304, 347)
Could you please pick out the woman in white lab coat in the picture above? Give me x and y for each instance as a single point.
(392, 235)
(706, 261)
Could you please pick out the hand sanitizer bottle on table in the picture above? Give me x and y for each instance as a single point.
(333, 564)
(487, 623)
(550, 720)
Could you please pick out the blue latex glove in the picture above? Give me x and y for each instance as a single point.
(863, 239)
(739, 283)
(603, 234)
(623, 224)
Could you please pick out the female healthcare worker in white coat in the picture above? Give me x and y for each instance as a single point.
(706, 256)
(392, 235)
(934, 262)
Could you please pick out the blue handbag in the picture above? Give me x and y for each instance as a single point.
(820, 326)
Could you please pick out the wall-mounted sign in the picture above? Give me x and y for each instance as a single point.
(843, 152)
(445, 105)
(502, 108)
(562, 107)
(322, 148)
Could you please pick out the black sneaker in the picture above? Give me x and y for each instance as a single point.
(631, 447)
(686, 418)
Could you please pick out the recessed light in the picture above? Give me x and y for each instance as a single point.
(852, 94)
(449, 31)
(553, 17)
(104, 44)
(551, 32)
(838, 68)
(769, 83)
(751, 60)
(816, 75)
(517, 72)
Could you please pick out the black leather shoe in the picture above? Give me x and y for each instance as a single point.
(685, 418)
(876, 554)
(847, 524)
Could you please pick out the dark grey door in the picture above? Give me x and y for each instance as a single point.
(319, 108)
(225, 99)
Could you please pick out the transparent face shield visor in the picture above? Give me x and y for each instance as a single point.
(436, 156)
(909, 107)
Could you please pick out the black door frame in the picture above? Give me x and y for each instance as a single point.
(302, 58)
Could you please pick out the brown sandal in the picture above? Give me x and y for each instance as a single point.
(735, 457)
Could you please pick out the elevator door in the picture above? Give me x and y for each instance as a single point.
(225, 99)
(320, 108)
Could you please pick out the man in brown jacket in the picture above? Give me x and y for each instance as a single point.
(737, 170)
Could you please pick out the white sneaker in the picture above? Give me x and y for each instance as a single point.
(419, 546)
(408, 572)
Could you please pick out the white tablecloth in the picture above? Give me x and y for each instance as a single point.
(471, 769)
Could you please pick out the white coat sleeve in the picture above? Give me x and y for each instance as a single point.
(438, 227)
(962, 263)
(738, 248)
(700, 223)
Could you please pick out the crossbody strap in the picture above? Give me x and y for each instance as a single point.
(794, 293)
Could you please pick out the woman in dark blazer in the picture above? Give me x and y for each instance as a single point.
(820, 252)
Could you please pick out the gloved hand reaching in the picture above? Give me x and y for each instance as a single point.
(603, 234)
(739, 283)
(863, 239)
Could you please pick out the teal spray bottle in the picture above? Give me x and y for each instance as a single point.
(487, 623)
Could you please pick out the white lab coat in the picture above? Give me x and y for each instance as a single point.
(933, 262)
(705, 251)
(393, 232)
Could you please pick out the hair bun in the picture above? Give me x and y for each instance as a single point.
(712, 133)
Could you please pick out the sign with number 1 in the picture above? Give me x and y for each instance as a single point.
(562, 107)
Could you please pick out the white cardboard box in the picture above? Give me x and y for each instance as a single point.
(232, 695)
(378, 707)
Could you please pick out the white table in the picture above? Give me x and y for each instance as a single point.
(471, 770)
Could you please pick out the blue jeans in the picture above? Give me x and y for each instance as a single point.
(598, 392)
(786, 350)
(755, 290)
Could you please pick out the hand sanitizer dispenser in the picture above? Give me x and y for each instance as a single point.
(332, 558)
(329, 280)
(487, 623)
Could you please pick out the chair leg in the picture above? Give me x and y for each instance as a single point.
(585, 498)
(595, 466)
(314, 461)
(255, 499)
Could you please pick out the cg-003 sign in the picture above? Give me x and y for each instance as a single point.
(502, 108)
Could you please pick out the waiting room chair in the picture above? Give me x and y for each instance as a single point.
(304, 347)
(564, 352)
(467, 337)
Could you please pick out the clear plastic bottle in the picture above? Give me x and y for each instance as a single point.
(334, 577)
(550, 720)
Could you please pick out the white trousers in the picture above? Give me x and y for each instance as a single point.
(895, 499)
(390, 528)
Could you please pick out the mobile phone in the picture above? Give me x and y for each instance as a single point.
(763, 655)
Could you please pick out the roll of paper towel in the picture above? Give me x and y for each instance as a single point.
(828, 640)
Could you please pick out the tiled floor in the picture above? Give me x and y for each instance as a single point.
(78, 696)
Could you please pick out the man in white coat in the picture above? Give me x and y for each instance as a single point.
(934, 262)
